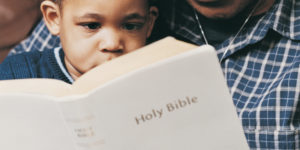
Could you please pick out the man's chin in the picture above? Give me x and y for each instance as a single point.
(218, 16)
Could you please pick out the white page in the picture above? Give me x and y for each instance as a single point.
(209, 123)
(32, 122)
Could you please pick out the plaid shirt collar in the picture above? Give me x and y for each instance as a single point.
(286, 27)
(184, 24)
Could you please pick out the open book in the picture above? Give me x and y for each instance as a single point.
(169, 95)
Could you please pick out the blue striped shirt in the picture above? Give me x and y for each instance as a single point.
(39, 40)
(262, 71)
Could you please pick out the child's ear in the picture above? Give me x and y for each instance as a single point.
(152, 18)
(51, 14)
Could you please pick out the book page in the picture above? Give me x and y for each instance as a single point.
(32, 122)
(51, 87)
(179, 103)
(149, 99)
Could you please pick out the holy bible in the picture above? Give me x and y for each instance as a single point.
(169, 95)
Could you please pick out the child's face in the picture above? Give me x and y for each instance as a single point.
(95, 31)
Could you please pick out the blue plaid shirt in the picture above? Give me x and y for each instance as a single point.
(261, 69)
(39, 40)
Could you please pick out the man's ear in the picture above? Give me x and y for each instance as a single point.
(51, 14)
(152, 18)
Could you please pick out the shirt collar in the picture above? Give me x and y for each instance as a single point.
(286, 18)
(59, 56)
(280, 18)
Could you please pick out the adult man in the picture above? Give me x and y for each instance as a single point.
(258, 44)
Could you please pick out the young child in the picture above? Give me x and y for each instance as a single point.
(91, 33)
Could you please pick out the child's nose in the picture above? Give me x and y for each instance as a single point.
(111, 42)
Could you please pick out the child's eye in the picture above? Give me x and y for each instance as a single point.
(132, 26)
(91, 26)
